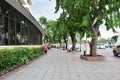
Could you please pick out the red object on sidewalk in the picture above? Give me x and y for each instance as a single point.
(45, 47)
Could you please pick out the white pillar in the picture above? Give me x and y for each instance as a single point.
(87, 47)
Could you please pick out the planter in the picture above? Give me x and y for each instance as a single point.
(93, 58)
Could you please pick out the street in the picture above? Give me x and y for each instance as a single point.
(107, 52)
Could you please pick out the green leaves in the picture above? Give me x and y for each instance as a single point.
(81, 11)
(85, 21)
(99, 19)
(90, 14)
(43, 21)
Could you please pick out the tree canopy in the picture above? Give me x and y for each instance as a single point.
(85, 16)
(54, 29)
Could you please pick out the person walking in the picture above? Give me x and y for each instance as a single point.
(45, 47)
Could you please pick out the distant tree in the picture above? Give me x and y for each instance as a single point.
(114, 38)
(43, 21)
(62, 27)
(49, 27)
(72, 18)
(102, 40)
(54, 29)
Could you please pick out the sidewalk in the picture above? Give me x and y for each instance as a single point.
(60, 65)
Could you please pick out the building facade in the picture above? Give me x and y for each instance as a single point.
(25, 4)
(17, 25)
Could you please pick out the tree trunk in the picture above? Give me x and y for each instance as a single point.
(93, 43)
(60, 43)
(95, 29)
(65, 41)
(66, 44)
(73, 40)
(93, 47)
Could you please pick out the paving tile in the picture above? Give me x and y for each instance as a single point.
(60, 65)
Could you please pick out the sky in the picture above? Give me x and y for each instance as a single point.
(47, 8)
(44, 8)
(107, 34)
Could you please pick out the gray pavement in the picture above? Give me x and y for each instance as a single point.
(60, 65)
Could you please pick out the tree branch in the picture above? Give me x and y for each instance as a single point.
(92, 23)
(100, 11)
(96, 26)
(106, 1)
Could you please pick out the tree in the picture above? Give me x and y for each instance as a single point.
(43, 21)
(62, 27)
(103, 40)
(114, 38)
(49, 27)
(98, 12)
(91, 14)
(71, 18)
(54, 30)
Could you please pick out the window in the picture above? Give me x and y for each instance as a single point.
(118, 46)
(12, 33)
(5, 8)
(2, 31)
(12, 13)
(15, 28)
(0, 7)
(6, 30)
(18, 34)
